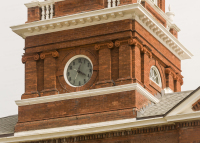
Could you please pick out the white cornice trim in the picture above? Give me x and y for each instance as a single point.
(185, 105)
(131, 11)
(183, 117)
(164, 15)
(95, 128)
(88, 93)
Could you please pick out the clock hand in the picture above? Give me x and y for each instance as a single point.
(76, 75)
(82, 73)
(79, 67)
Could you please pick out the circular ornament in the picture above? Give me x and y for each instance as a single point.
(78, 71)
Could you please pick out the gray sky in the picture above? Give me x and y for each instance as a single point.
(13, 12)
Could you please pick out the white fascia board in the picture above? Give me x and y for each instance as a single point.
(81, 130)
(95, 128)
(183, 117)
(88, 93)
(131, 11)
(185, 105)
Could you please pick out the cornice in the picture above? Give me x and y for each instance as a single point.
(133, 126)
(186, 103)
(89, 93)
(164, 15)
(132, 11)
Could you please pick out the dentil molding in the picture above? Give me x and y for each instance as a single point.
(132, 11)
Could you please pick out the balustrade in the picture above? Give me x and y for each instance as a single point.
(47, 8)
(113, 3)
(47, 11)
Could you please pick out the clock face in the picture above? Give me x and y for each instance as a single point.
(79, 71)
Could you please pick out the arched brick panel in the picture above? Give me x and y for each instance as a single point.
(155, 63)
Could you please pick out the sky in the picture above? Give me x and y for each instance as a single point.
(13, 12)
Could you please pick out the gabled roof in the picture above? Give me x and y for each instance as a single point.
(167, 103)
(7, 125)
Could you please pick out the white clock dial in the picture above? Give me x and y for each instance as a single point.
(79, 71)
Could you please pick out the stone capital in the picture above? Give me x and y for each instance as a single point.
(146, 50)
(26, 58)
(169, 71)
(54, 54)
(104, 45)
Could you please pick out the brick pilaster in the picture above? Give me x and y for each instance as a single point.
(136, 61)
(125, 61)
(169, 78)
(34, 14)
(49, 73)
(104, 64)
(30, 76)
(174, 32)
(145, 56)
(178, 82)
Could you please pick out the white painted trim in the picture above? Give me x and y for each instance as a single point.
(88, 93)
(185, 105)
(69, 62)
(159, 77)
(95, 128)
(168, 90)
(183, 117)
(164, 15)
(131, 11)
(34, 4)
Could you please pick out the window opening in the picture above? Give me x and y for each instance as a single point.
(155, 76)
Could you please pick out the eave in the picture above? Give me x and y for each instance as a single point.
(132, 11)
(95, 128)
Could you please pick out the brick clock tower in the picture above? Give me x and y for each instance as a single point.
(98, 70)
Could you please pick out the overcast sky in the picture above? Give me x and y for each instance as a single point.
(13, 12)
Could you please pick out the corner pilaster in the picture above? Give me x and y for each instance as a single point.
(146, 55)
(30, 62)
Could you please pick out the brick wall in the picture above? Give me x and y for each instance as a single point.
(122, 62)
(121, 51)
(76, 6)
(34, 14)
(80, 111)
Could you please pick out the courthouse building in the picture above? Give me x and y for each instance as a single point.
(102, 71)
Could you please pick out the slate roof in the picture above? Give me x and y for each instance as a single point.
(167, 102)
(7, 125)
